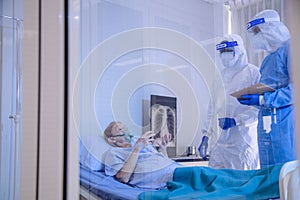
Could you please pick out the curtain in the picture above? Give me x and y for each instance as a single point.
(242, 12)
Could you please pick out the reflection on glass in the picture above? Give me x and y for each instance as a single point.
(11, 89)
(146, 48)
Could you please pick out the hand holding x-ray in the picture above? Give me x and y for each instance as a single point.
(163, 141)
(145, 139)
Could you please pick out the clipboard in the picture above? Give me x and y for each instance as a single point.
(259, 88)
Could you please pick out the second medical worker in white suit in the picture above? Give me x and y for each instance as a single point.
(237, 146)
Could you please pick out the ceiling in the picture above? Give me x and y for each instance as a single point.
(239, 3)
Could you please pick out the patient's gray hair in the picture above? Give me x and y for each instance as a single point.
(107, 131)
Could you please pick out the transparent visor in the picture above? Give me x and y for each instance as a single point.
(255, 22)
(252, 25)
(226, 46)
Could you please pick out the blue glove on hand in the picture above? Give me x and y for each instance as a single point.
(226, 123)
(250, 99)
(203, 147)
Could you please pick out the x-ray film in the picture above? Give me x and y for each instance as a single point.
(163, 118)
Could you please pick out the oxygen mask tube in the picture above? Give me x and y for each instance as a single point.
(128, 135)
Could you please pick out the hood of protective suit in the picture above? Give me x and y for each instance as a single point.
(274, 32)
(240, 59)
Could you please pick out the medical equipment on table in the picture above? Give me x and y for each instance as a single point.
(191, 150)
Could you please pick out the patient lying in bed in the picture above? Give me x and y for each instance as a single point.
(135, 161)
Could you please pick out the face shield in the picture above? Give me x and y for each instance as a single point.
(226, 46)
(257, 31)
(252, 25)
(227, 52)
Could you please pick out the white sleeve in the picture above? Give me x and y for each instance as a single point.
(209, 117)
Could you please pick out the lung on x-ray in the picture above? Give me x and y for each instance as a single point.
(163, 118)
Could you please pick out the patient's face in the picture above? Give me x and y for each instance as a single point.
(118, 128)
(119, 135)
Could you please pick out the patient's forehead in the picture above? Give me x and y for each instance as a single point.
(118, 127)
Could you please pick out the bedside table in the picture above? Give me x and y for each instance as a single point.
(191, 161)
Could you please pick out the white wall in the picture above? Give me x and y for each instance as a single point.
(197, 20)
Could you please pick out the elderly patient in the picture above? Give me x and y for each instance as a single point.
(136, 161)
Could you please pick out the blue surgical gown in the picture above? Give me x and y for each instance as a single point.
(276, 138)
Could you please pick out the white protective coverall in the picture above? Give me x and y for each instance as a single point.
(236, 147)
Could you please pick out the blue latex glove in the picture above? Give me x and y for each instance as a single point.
(250, 99)
(226, 123)
(203, 147)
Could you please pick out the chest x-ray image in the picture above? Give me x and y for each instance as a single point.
(163, 119)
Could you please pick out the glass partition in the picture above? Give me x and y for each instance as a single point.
(10, 115)
(122, 53)
(126, 51)
(125, 58)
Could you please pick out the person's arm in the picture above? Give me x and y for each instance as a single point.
(207, 125)
(126, 171)
(280, 98)
(124, 174)
(206, 131)
(283, 96)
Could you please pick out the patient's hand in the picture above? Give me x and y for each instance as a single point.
(162, 143)
(126, 171)
(144, 140)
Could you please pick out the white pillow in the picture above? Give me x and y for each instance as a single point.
(92, 148)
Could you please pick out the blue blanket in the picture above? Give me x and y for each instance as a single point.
(207, 183)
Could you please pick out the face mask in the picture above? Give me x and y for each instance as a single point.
(128, 137)
(257, 41)
(122, 137)
(227, 59)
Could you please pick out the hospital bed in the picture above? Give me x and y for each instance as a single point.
(95, 185)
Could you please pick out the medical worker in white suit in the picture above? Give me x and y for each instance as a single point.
(236, 147)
